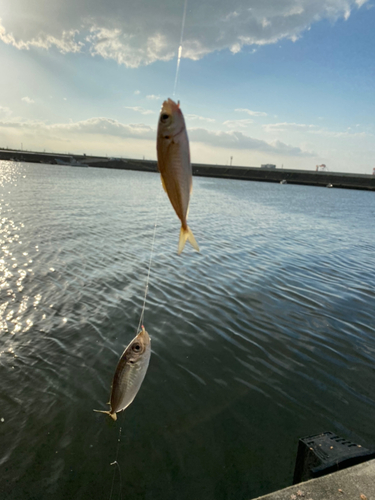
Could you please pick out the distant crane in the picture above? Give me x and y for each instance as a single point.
(322, 168)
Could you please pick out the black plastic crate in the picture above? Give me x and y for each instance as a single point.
(325, 453)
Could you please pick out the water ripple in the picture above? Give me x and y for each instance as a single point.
(264, 336)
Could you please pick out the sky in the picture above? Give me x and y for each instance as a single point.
(288, 82)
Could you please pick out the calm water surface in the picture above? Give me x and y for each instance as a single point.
(265, 336)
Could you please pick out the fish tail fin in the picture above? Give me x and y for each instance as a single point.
(186, 235)
(112, 415)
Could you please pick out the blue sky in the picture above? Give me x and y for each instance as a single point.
(289, 82)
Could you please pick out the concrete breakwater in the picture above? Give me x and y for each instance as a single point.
(354, 483)
(307, 177)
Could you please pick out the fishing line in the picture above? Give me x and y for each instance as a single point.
(116, 463)
(180, 48)
(157, 214)
(151, 253)
(149, 265)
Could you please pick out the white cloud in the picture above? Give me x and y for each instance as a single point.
(127, 48)
(141, 110)
(311, 129)
(145, 31)
(333, 133)
(137, 92)
(238, 140)
(65, 42)
(251, 113)
(28, 100)
(238, 123)
(72, 130)
(5, 111)
(100, 135)
(153, 97)
(103, 128)
(200, 118)
(282, 127)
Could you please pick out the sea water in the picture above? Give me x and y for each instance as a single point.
(265, 336)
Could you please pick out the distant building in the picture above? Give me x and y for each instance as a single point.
(268, 165)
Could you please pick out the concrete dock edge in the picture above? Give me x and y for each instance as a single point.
(353, 483)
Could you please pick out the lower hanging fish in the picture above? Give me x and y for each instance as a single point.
(174, 165)
(130, 372)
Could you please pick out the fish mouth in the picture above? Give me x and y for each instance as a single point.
(143, 336)
(170, 106)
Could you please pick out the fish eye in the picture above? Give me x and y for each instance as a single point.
(136, 347)
(164, 117)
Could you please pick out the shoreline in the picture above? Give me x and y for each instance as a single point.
(278, 175)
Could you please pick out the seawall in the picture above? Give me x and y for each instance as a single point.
(307, 177)
(354, 483)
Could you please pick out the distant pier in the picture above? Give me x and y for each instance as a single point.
(278, 175)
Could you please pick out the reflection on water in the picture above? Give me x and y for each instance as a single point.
(265, 336)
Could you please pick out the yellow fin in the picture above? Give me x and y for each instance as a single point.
(186, 234)
(112, 415)
(163, 183)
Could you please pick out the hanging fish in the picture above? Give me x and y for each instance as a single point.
(174, 165)
(130, 372)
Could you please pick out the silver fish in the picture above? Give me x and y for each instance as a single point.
(130, 372)
(174, 165)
